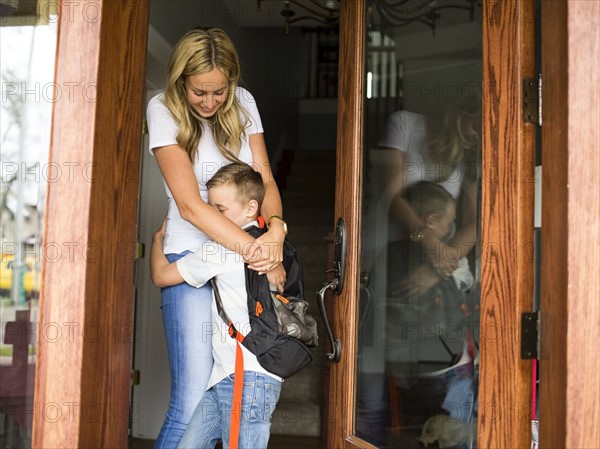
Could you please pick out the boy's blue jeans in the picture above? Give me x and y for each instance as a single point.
(210, 422)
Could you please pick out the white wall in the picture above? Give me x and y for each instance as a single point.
(151, 397)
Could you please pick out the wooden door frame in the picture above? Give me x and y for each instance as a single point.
(87, 379)
(348, 204)
(507, 223)
(570, 310)
(83, 370)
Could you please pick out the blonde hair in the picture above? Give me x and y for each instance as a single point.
(446, 144)
(247, 181)
(201, 51)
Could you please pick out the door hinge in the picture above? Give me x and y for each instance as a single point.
(532, 100)
(530, 335)
(140, 250)
(135, 377)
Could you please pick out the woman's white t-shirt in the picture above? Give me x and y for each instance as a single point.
(406, 132)
(182, 235)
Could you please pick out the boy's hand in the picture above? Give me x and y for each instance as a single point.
(418, 282)
(159, 235)
(277, 277)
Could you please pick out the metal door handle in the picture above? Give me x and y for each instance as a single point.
(336, 347)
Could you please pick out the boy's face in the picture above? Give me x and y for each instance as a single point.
(224, 198)
(440, 224)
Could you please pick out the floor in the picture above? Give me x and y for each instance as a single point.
(275, 442)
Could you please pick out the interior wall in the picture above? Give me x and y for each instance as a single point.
(150, 398)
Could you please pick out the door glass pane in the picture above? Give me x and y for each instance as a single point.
(28, 47)
(419, 295)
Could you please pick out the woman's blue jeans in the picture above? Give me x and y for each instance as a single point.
(187, 322)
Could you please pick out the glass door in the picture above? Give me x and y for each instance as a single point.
(433, 163)
(418, 318)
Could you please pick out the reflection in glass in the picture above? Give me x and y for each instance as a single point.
(28, 92)
(419, 298)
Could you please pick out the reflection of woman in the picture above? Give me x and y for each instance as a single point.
(440, 149)
(202, 122)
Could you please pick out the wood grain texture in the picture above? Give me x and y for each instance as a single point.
(84, 376)
(583, 355)
(570, 365)
(507, 225)
(348, 205)
(554, 274)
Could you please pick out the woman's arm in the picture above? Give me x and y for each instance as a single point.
(466, 236)
(178, 172)
(441, 255)
(272, 202)
(394, 177)
(272, 241)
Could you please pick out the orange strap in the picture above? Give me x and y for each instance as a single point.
(233, 333)
(238, 388)
(261, 221)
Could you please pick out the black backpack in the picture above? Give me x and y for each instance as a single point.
(281, 331)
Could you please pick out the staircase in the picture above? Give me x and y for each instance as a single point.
(308, 193)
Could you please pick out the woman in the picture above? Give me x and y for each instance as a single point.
(203, 121)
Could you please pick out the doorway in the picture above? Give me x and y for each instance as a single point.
(63, 367)
(294, 84)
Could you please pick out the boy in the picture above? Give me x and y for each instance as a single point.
(427, 334)
(436, 207)
(237, 191)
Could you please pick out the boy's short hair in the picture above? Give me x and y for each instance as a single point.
(428, 198)
(247, 181)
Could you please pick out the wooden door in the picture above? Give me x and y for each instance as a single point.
(83, 373)
(364, 396)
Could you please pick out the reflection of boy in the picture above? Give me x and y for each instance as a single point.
(425, 326)
(236, 190)
(437, 208)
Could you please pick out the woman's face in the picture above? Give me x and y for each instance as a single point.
(469, 129)
(206, 92)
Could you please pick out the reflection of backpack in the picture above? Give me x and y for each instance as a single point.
(281, 331)
(434, 323)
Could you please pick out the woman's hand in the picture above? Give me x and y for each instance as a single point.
(270, 253)
(443, 261)
(443, 258)
(277, 277)
(416, 283)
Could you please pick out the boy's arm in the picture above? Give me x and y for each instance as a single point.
(164, 273)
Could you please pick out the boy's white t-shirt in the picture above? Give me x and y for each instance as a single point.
(182, 235)
(214, 260)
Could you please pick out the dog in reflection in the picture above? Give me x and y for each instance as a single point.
(447, 431)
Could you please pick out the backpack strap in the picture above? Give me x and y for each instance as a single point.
(233, 332)
(238, 376)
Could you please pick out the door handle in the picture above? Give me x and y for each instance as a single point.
(336, 347)
(339, 254)
(336, 284)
